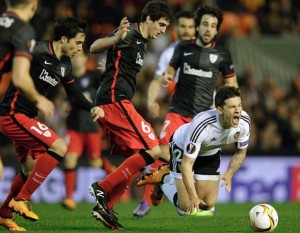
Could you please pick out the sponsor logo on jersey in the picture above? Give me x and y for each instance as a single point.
(201, 73)
(190, 148)
(138, 42)
(6, 22)
(47, 63)
(47, 78)
(139, 59)
(236, 135)
(213, 58)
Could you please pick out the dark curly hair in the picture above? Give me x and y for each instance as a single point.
(208, 10)
(224, 93)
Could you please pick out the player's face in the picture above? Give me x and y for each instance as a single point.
(74, 45)
(155, 28)
(231, 112)
(185, 28)
(207, 30)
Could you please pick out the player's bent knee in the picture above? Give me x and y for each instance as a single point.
(155, 152)
(96, 162)
(70, 161)
(59, 147)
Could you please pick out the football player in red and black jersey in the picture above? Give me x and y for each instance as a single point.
(17, 40)
(39, 149)
(128, 132)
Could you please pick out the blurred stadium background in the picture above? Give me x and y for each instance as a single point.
(264, 39)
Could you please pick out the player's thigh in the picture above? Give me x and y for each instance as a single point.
(208, 191)
(183, 197)
(126, 129)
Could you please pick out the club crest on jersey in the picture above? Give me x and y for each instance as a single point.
(62, 70)
(213, 58)
(236, 135)
(190, 148)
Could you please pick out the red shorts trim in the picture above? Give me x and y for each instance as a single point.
(172, 122)
(78, 141)
(126, 129)
(28, 135)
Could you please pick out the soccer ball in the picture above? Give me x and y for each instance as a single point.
(263, 217)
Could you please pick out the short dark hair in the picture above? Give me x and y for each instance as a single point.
(156, 10)
(208, 10)
(13, 3)
(183, 14)
(69, 27)
(224, 93)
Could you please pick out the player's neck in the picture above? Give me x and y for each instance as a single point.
(22, 14)
(143, 29)
(57, 49)
(199, 42)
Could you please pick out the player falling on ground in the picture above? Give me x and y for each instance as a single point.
(129, 134)
(39, 149)
(195, 154)
(199, 62)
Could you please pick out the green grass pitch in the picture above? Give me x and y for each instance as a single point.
(230, 217)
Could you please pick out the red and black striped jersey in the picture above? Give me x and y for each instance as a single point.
(124, 61)
(197, 78)
(17, 38)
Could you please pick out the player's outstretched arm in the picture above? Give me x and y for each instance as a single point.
(105, 43)
(153, 92)
(236, 162)
(232, 81)
(22, 81)
(168, 76)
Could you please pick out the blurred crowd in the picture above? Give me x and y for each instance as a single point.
(275, 112)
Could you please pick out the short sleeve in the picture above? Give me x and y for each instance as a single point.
(227, 67)
(24, 41)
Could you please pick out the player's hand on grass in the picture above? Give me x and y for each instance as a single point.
(45, 106)
(96, 113)
(194, 204)
(226, 177)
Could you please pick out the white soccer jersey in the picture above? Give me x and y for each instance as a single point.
(204, 136)
(164, 60)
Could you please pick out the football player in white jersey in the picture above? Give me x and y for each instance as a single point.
(193, 183)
